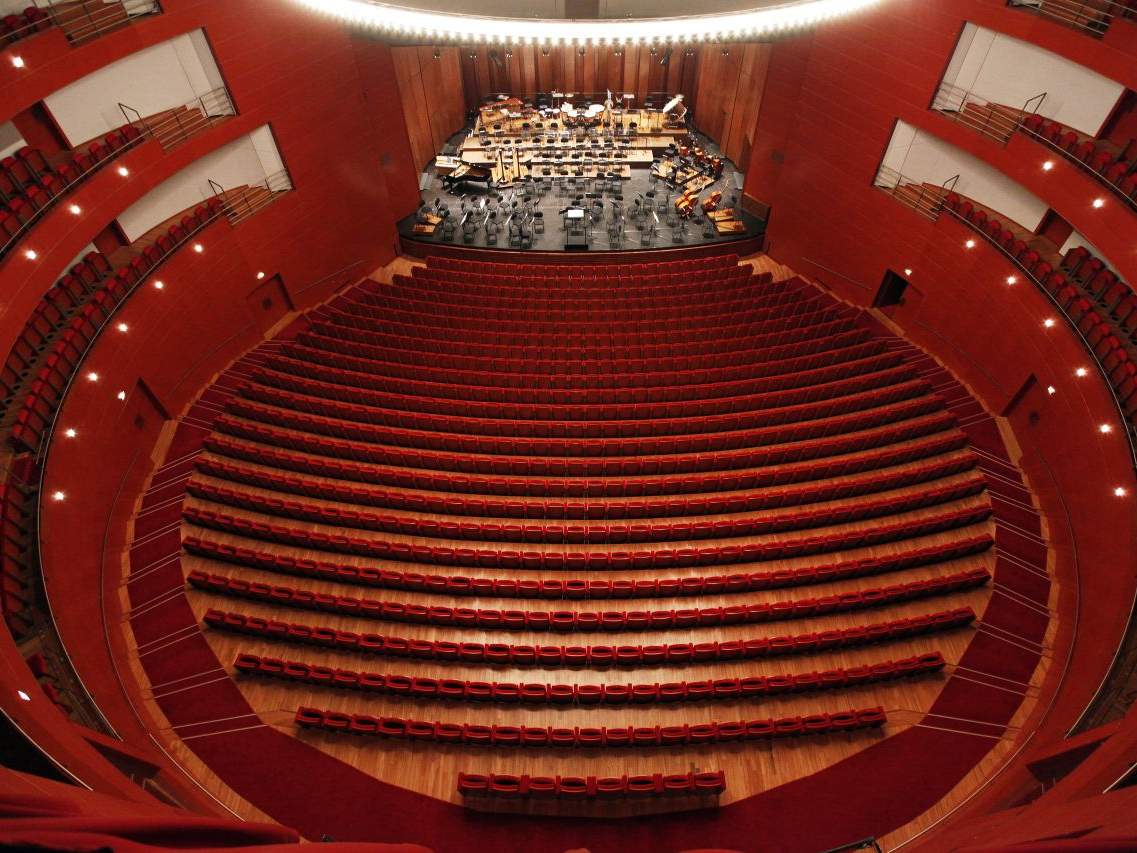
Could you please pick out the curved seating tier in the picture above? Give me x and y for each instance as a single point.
(466, 453)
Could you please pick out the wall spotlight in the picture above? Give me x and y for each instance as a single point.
(92, 377)
(31, 254)
(970, 244)
(18, 61)
(122, 170)
(70, 433)
(121, 395)
(1051, 390)
(1120, 492)
(1048, 165)
(24, 696)
(1105, 429)
(158, 285)
(197, 247)
(1049, 322)
(907, 271)
(76, 209)
(58, 496)
(1011, 279)
(1099, 202)
(260, 276)
(1080, 372)
(122, 327)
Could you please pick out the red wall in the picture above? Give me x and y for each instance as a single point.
(332, 102)
(826, 119)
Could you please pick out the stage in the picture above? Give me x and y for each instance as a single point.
(658, 230)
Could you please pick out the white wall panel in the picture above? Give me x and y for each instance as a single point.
(922, 158)
(161, 77)
(1008, 71)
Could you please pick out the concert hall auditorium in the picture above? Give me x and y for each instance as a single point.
(568, 426)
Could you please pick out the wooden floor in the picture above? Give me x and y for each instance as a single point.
(432, 769)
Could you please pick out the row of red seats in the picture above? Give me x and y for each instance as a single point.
(869, 457)
(580, 412)
(571, 345)
(591, 452)
(592, 587)
(622, 560)
(17, 584)
(654, 293)
(598, 312)
(681, 530)
(499, 433)
(590, 737)
(566, 621)
(1101, 159)
(19, 26)
(674, 291)
(566, 363)
(30, 185)
(866, 437)
(71, 340)
(810, 383)
(597, 657)
(588, 694)
(563, 272)
(513, 692)
(473, 505)
(708, 783)
(789, 371)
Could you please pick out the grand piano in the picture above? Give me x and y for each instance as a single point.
(467, 173)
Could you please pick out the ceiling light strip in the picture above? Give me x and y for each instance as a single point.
(406, 23)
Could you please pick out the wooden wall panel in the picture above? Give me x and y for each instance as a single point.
(431, 92)
(533, 69)
(728, 95)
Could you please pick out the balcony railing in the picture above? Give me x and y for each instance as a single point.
(1111, 169)
(1092, 17)
(242, 202)
(926, 199)
(81, 20)
(174, 126)
(997, 121)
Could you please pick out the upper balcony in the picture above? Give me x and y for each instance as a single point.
(79, 21)
(1090, 17)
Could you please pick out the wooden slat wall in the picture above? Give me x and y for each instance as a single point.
(530, 70)
(729, 96)
(432, 95)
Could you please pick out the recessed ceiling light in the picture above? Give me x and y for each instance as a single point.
(1049, 322)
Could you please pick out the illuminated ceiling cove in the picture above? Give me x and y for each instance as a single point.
(426, 25)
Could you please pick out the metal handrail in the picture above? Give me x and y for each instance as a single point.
(925, 203)
(240, 208)
(174, 128)
(80, 23)
(952, 101)
(1093, 18)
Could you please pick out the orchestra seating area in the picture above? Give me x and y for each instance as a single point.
(652, 458)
